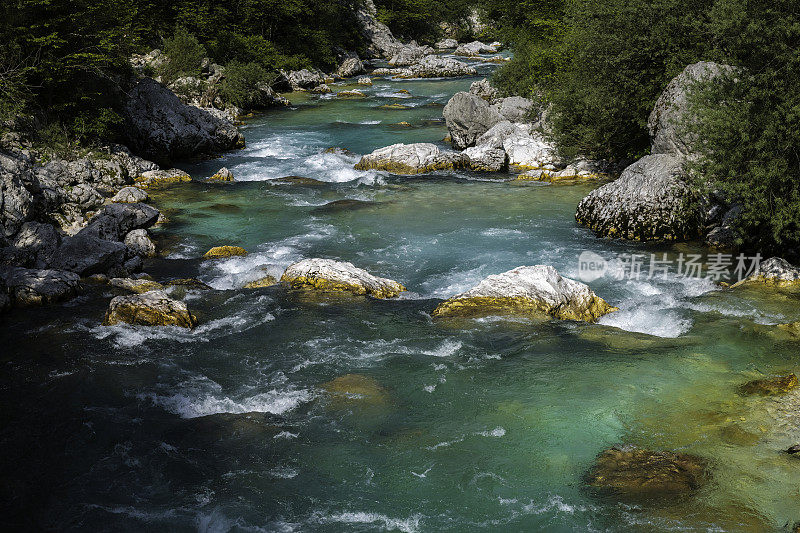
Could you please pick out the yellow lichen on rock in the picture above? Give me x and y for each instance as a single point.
(154, 308)
(225, 251)
(161, 178)
(327, 275)
(266, 281)
(395, 106)
(487, 306)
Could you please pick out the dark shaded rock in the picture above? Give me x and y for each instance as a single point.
(793, 450)
(16, 203)
(27, 286)
(636, 472)
(34, 246)
(189, 283)
(163, 128)
(86, 254)
(115, 221)
(769, 386)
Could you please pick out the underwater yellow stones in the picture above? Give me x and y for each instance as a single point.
(225, 251)
(266, 281)
(635, 472)
(355, 388)
(770, 386)
(395, 106)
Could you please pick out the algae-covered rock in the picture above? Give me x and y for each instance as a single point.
(154, 308)
(161, 178)
(528, 290)
(222, 174)
(189, 283)
(225, 251)
(632, 471)
(774, 271)
(266, 281)
(355, 388)
(769, 386)
(413, 159)
(330, 275)
(138, 286)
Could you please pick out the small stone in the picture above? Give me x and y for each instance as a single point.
(225, 251)
(351, 94)
(222, 174)
(355, 388)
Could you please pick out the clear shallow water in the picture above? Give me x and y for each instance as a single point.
(468, 425)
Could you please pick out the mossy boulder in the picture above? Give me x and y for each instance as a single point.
(769, 386)
(415, 158)
(154, 308)
(266, 281)
(637, 472)
(339, 276)
(161, 178)
(776, 272)
(225, 251)
(527, 290)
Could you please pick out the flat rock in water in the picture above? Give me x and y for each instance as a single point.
(415, 158)
(225, 251)
(527, 290)
(330, 275)
(636, 472)
(154, 308)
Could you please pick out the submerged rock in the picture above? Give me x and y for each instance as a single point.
(330, 275)
(632, 471)
(27, 286)
(355, 93)
(412, 159)
(355, 388)
(222, 174)
(225, 251)
(300, 180)
(138, 286)
(529, 290)
(189, 283)
(770, 386)
(130, 195)
(154, 308)
(266, 281)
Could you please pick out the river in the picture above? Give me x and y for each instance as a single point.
(480, 425)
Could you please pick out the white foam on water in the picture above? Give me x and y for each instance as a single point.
(447, 348)
(496, 432)
(503, 232)
(381, 521)
(554, 504)
(284, 472)
(191, 405)
(285, 435)
(451, 283)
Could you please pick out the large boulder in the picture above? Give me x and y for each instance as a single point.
(409, 55)
(433, 66)
(653, 199)
(115, 221)
(514, 108)
(163, 128)
(649, 201)
(139, 286)
(86, 254)
(34, 246)
(528, 290)
(352, 66)
(634, 472)
(415, 158)
(27, 286)
(484, 89)
(485, 158)
(476, 48)
(16, 203)
(774, 271)
(339, 276)
(667, 120)
(379, 38)
(447, 44)
(530, 150)
(468, 117)
(153, 308)
(303, 80)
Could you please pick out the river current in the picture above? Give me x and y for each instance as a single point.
(478, 425)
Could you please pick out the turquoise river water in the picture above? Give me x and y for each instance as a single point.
(472, 425)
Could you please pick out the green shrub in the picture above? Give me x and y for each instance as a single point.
(241, 81)
(184, 56)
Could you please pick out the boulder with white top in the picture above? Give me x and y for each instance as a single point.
(774, 271)
(413, 159)
(339, 276)
(527, 290)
